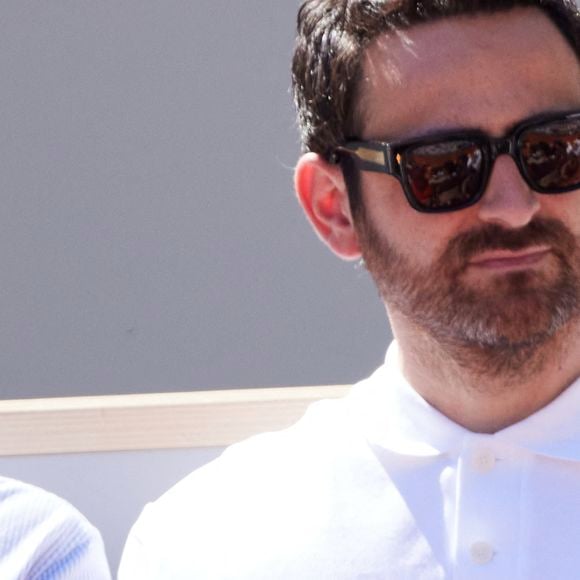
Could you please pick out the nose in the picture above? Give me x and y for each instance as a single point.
(508, 201)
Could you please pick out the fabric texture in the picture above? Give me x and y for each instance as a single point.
(42, 537)
(377, 485)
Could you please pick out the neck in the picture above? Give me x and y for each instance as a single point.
(457, 380)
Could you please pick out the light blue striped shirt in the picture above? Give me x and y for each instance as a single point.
(42, 537)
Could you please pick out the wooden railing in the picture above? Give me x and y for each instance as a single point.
(151, 421)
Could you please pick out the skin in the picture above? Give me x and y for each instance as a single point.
(486, 72)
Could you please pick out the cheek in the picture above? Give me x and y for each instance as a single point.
(565, 208)
(426, 244)
(384, 202)
(419, 236)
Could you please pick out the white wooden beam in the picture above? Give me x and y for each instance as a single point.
(151, 421)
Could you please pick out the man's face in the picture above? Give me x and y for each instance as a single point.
(502, 274)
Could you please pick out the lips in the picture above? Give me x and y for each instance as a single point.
(508, 260)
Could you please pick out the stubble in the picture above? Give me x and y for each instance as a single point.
(506, 328)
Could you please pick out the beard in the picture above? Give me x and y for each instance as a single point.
(496, 327)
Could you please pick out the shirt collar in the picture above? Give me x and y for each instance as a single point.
(393, 415)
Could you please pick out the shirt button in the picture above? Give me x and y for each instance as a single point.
(481, 552)
(483, 460)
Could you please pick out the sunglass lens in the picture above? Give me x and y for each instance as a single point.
(444, 176)
(550, 155)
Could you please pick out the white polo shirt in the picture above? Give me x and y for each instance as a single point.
(378, 485)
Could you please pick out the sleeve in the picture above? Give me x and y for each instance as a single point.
(42, 537)
(72, 551)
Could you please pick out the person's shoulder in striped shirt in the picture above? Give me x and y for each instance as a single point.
(42, 537)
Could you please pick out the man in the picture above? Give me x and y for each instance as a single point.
(443, 146)
(42, 537)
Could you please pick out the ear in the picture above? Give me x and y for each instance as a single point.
(323, 195)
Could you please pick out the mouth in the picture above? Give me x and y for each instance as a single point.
(506, 260)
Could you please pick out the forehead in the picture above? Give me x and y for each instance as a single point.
(486, 71)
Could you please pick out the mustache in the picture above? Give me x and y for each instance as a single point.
(540, 231)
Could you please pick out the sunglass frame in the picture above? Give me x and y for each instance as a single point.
(388, 156)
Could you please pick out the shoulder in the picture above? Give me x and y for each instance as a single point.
(43, 536)
(261, 467)
(261, 504)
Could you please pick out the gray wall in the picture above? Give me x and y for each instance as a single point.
(149, 235)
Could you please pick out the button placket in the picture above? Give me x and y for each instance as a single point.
(483, 459)
(481, 552)
(487, 509)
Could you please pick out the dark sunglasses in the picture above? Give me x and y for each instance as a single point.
(450, 171)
